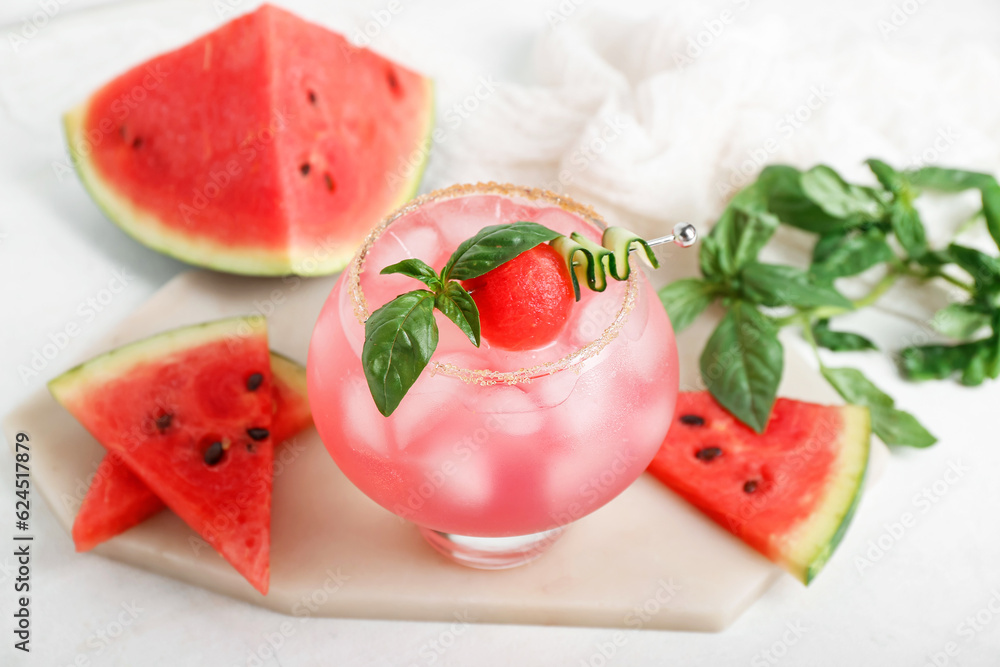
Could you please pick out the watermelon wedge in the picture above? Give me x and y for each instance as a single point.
(118, 499)
(189, 412)
(267, 147)
(789, 492)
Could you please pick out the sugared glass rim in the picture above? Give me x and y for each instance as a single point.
(481, 376)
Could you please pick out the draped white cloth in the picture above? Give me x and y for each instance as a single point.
(663, 118)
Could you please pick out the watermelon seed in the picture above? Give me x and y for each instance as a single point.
(708, 453)
(137, 142)
(254, 381)
(750, 486)
(250, 447)
(692, 420)
(304, 168)
(393, 81)
(312, 98)
(258, 433)
(214, 453)
(163, 421)
(330, 185)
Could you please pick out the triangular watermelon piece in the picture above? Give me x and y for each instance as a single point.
(189, 411)
(269, 146)
(789, 492)
(118, 499)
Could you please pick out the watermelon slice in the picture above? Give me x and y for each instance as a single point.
(189, 411)
(118, 499)
(789, 492)
(267, 147)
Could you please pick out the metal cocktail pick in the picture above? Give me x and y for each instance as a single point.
(684, 235)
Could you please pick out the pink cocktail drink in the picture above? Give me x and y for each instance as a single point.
(492, 443)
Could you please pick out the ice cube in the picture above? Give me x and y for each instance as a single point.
(457, 219)
(402, 240)
(460, 218)
(549, 391)
(412, 236)
(364, 425)
(453, 461)
(510, 408)
(451, 338)
(424, 408)
(638, 319)
(594, 313)
(593, 407)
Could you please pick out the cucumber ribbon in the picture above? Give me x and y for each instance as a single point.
(592, 263)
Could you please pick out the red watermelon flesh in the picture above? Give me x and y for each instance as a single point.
(169, 406)
(524, 303)
(269, 146)
(789, 492)
(118, 499)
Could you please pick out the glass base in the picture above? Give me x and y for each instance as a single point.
(491, 553)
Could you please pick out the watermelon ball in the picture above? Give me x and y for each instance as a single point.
(524, 304)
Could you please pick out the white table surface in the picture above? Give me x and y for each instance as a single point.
(916, 597)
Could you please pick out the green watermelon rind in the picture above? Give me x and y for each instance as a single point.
(823, 533)
(290, 371)
(293, 374)
(144, 226)
(118, 361)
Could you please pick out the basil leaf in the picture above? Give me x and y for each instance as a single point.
(949, 180)
(458, 306)
(985, 270)
(956, 180)
(493, 246)
(742, 363)
(908, 228)
(709, 258)
(400, 338)
(720, 250)
(755, 230)
(840, 199)
(959, 321)
(849, 254)
(936, 362)
(935, 259)
(685, 300)
(738, 237)
(787, 200)
(827, 245)
(415, 268)
(855, 388)
(896, 427)
(975, 372)
(776, 285)
(991, 210)
(754, 197)
(893, 426)
(839, 341)
(890, 179)
(976, 360)
(992, 346)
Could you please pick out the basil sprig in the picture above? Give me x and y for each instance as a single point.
(401, 336)
(856, 228)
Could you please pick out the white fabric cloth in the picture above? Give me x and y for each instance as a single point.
(665, 121)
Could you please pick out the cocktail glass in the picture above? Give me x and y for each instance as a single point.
(492, 453)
